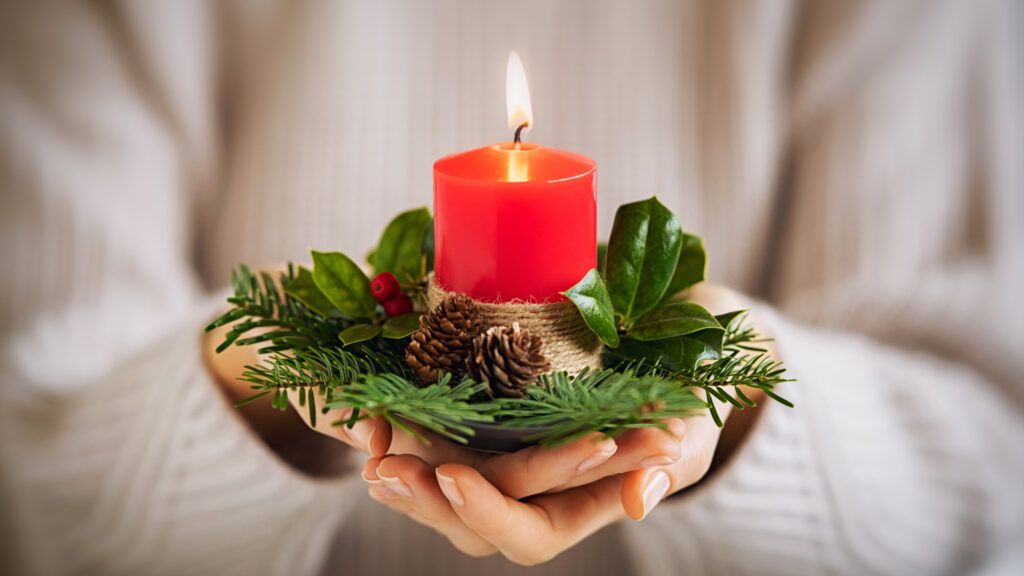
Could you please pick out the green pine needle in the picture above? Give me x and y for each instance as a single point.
(301, 352)
(604, 401)
(440, 407)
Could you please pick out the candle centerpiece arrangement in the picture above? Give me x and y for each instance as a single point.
(499, 321)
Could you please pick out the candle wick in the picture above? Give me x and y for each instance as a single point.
(519, 134)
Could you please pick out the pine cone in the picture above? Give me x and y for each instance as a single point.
(508, 359)
(445, 338)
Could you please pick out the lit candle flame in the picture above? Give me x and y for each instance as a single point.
(520, 115)
(517, 94)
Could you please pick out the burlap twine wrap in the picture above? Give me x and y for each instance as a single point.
(568, 343)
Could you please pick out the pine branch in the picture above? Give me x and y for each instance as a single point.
(323, 368)
(736, 370)
(607, 401)
(741, 336)
(744, 364)
(283, 322)
(440, 407)
(301, 353)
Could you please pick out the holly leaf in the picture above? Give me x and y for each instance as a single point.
(665, 353)
(679, 353)
(642, 252)
(304, 289)
(400, 250)
(358, 333)
(691, 266)
(729, 317)
(700, 346)
(674, 319)
(398, 327)
(344, 284)
(591, 298)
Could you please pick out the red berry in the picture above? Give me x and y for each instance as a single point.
(398, 305)
(385, 287)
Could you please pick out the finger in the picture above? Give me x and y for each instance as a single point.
(371, 435)
(637, 449)
(418, 495)
(642, 490)
(381, 493)
(432, 448)
(537, 469)
(530, 532)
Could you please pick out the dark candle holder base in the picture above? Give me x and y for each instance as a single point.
(492, 437)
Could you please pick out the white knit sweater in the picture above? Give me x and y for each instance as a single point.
(858, 165)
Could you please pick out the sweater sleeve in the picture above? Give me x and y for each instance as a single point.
(891, 463)
(150, 470)
(103, 162)
(119, 454)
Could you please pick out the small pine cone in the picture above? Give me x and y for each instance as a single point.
(445, 338)
(508, 359)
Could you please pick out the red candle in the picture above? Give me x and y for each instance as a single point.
(514, 221)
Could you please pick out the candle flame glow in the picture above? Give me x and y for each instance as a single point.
(517, 94)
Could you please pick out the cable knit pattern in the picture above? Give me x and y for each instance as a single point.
(855, 164)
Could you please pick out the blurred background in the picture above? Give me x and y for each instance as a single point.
(857, 165)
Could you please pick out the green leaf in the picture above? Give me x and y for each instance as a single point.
(698, 347)
(304, 289)
(398, 327)
(642, 253)
(679, 353)
(674, 319)
(691, 266)
(728, 317)
(358, 333)
(591, 298)
(400, 250)
(602, 254)
(344, 284)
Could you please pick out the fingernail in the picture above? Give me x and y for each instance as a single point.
(677, 428)
(450, 489)
(660, 460)
(372, 481)
(656, 489)
(607, 449)
(362, 433)
(397, 486)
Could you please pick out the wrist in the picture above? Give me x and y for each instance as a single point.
(226, 369)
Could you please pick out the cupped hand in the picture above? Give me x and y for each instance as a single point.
(532, 505)
(540, 504)
(370, 435)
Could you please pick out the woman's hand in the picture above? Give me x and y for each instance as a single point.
(532, 505)
(276, 427)
(506, 505)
